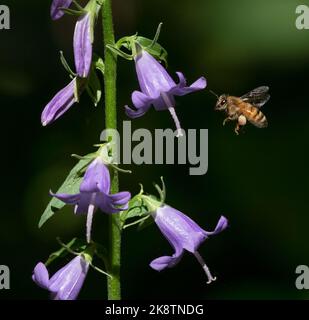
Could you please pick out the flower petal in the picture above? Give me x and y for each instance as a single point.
(60, 103)
(181, 89)
(55, 11)
(221, 225)
(40, 275)
(152, 76)
(113, 203)
(67, 282)
(96, 178)
(141, 102)
(179, 229)
(66, 198)
(83, 203)
(83, 46)
(166, 261)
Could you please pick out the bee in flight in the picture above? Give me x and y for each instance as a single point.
(246, 107)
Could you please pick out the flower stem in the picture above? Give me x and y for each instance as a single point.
(113, 284)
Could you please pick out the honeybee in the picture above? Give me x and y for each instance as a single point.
(246, 107)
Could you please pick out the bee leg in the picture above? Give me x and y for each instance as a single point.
(237, 128)
(226, 120)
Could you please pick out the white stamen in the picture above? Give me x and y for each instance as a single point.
(176, 120)
(205, 268)
(90, 212)
(172, 111)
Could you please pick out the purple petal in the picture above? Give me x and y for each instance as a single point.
(55, 11)
(96, 178)
(181, 89)
(67, 282)
(40, 275)
(179, 229)
(165, 101)
(221, 225)
(166, 261)
(113, 203)
(83, 46)
(66, 198)
(141, 102)
(152, 76)
(83, 203)
(61, 102)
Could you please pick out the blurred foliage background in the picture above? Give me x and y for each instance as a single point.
(259, 179)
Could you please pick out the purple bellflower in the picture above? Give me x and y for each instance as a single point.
(158, 88)
(67, 96)
(55, 10)
(183, 234)
(95, 193)
(66, 283)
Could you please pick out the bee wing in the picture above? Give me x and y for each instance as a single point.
(258, 96)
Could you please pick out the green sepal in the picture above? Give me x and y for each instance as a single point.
(142, 206)
(66, 65)
(150, 45)
(118, 52)
(79, 87)
(98, 63)
(93, 88)
(70, 185)
(155, 49)
(72, 12)
(145, 223)
(136, 209)
(75, 244)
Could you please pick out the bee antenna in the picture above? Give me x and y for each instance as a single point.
(214, 93)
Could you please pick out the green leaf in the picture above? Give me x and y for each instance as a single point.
(75, 245)
(70, 185)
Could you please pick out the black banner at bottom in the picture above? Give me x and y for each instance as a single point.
(214, 309)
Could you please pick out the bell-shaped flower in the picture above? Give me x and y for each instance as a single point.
(61, 102)
(158, 88)
(95, 191)
(66, 283)
(183, 234)
(55, 10)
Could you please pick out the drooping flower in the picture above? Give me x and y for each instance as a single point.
(55, 10)
(183, 234)
(67, 96)
(66, 283)
(95, 191)
(158, 88)
(61, 102)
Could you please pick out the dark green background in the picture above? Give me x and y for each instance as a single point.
(258, 179)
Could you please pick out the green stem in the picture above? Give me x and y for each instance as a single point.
(113, 284)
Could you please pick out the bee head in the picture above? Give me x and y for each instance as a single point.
(221, 103)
